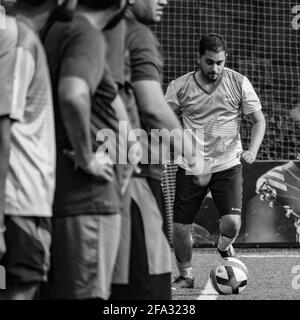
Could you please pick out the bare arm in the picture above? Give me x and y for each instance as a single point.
(257, 134)
(125, 129)
(120, 109)
(5, 129)
(153, 106)
(159, 115)
(74, 99)
(129, 169)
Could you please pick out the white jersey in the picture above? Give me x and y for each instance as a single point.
(31, 177)
(215, 115)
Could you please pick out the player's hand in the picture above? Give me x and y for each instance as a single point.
(100, 165)
(248, 156)
(2, 245)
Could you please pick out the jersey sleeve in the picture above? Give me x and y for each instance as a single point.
(107, 89)
(15, 66)
(115, 39)
(250, 100)
(172, 96)
(145, 56)
(7, 52)
(80, 58)
(24, 70)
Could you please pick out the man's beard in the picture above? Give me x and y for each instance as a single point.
(213, 77)
(207, 77)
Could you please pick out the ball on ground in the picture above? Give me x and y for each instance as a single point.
(229, 276)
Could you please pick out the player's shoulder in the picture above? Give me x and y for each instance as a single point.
(233, 75)
(80, 24)
(79, 29)
(28, 41)
(136, 26)
(181, 83)
(137, 31)
(183, 80)
(26, 34)
(8, 35)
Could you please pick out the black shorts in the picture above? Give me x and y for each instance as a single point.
(225, 187)
(27, 258)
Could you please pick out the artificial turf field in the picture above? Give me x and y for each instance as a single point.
(272, 275)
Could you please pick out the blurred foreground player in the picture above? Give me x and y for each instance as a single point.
(27, 120)
(143, 267)
(86, 223)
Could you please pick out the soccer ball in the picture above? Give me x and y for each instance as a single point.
(229, 276)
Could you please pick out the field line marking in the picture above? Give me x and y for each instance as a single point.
(268, 256)
(208, 292)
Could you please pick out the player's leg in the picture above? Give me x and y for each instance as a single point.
(155, 186)
(20, 292)
(183, 245)
(188, 199)
(27, 259)
(229, 230)
(226, 189)
(143, 269)
(150, 270)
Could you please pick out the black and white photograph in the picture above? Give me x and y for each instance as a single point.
(149, 155)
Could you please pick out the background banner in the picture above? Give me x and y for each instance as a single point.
(271, 206)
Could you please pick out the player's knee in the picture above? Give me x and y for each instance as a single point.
(230, 225)
(181, 230)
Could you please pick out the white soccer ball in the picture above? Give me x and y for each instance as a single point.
(229, 276)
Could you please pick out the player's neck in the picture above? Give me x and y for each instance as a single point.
(96, 19)
(35, 22)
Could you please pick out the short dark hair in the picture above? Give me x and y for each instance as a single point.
(99, 4)
(212, 42)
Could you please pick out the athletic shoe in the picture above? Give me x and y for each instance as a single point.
(182, 282)
(280, 186)
(227, 253)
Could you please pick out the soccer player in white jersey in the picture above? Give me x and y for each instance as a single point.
(212, 100)
(27, 148)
